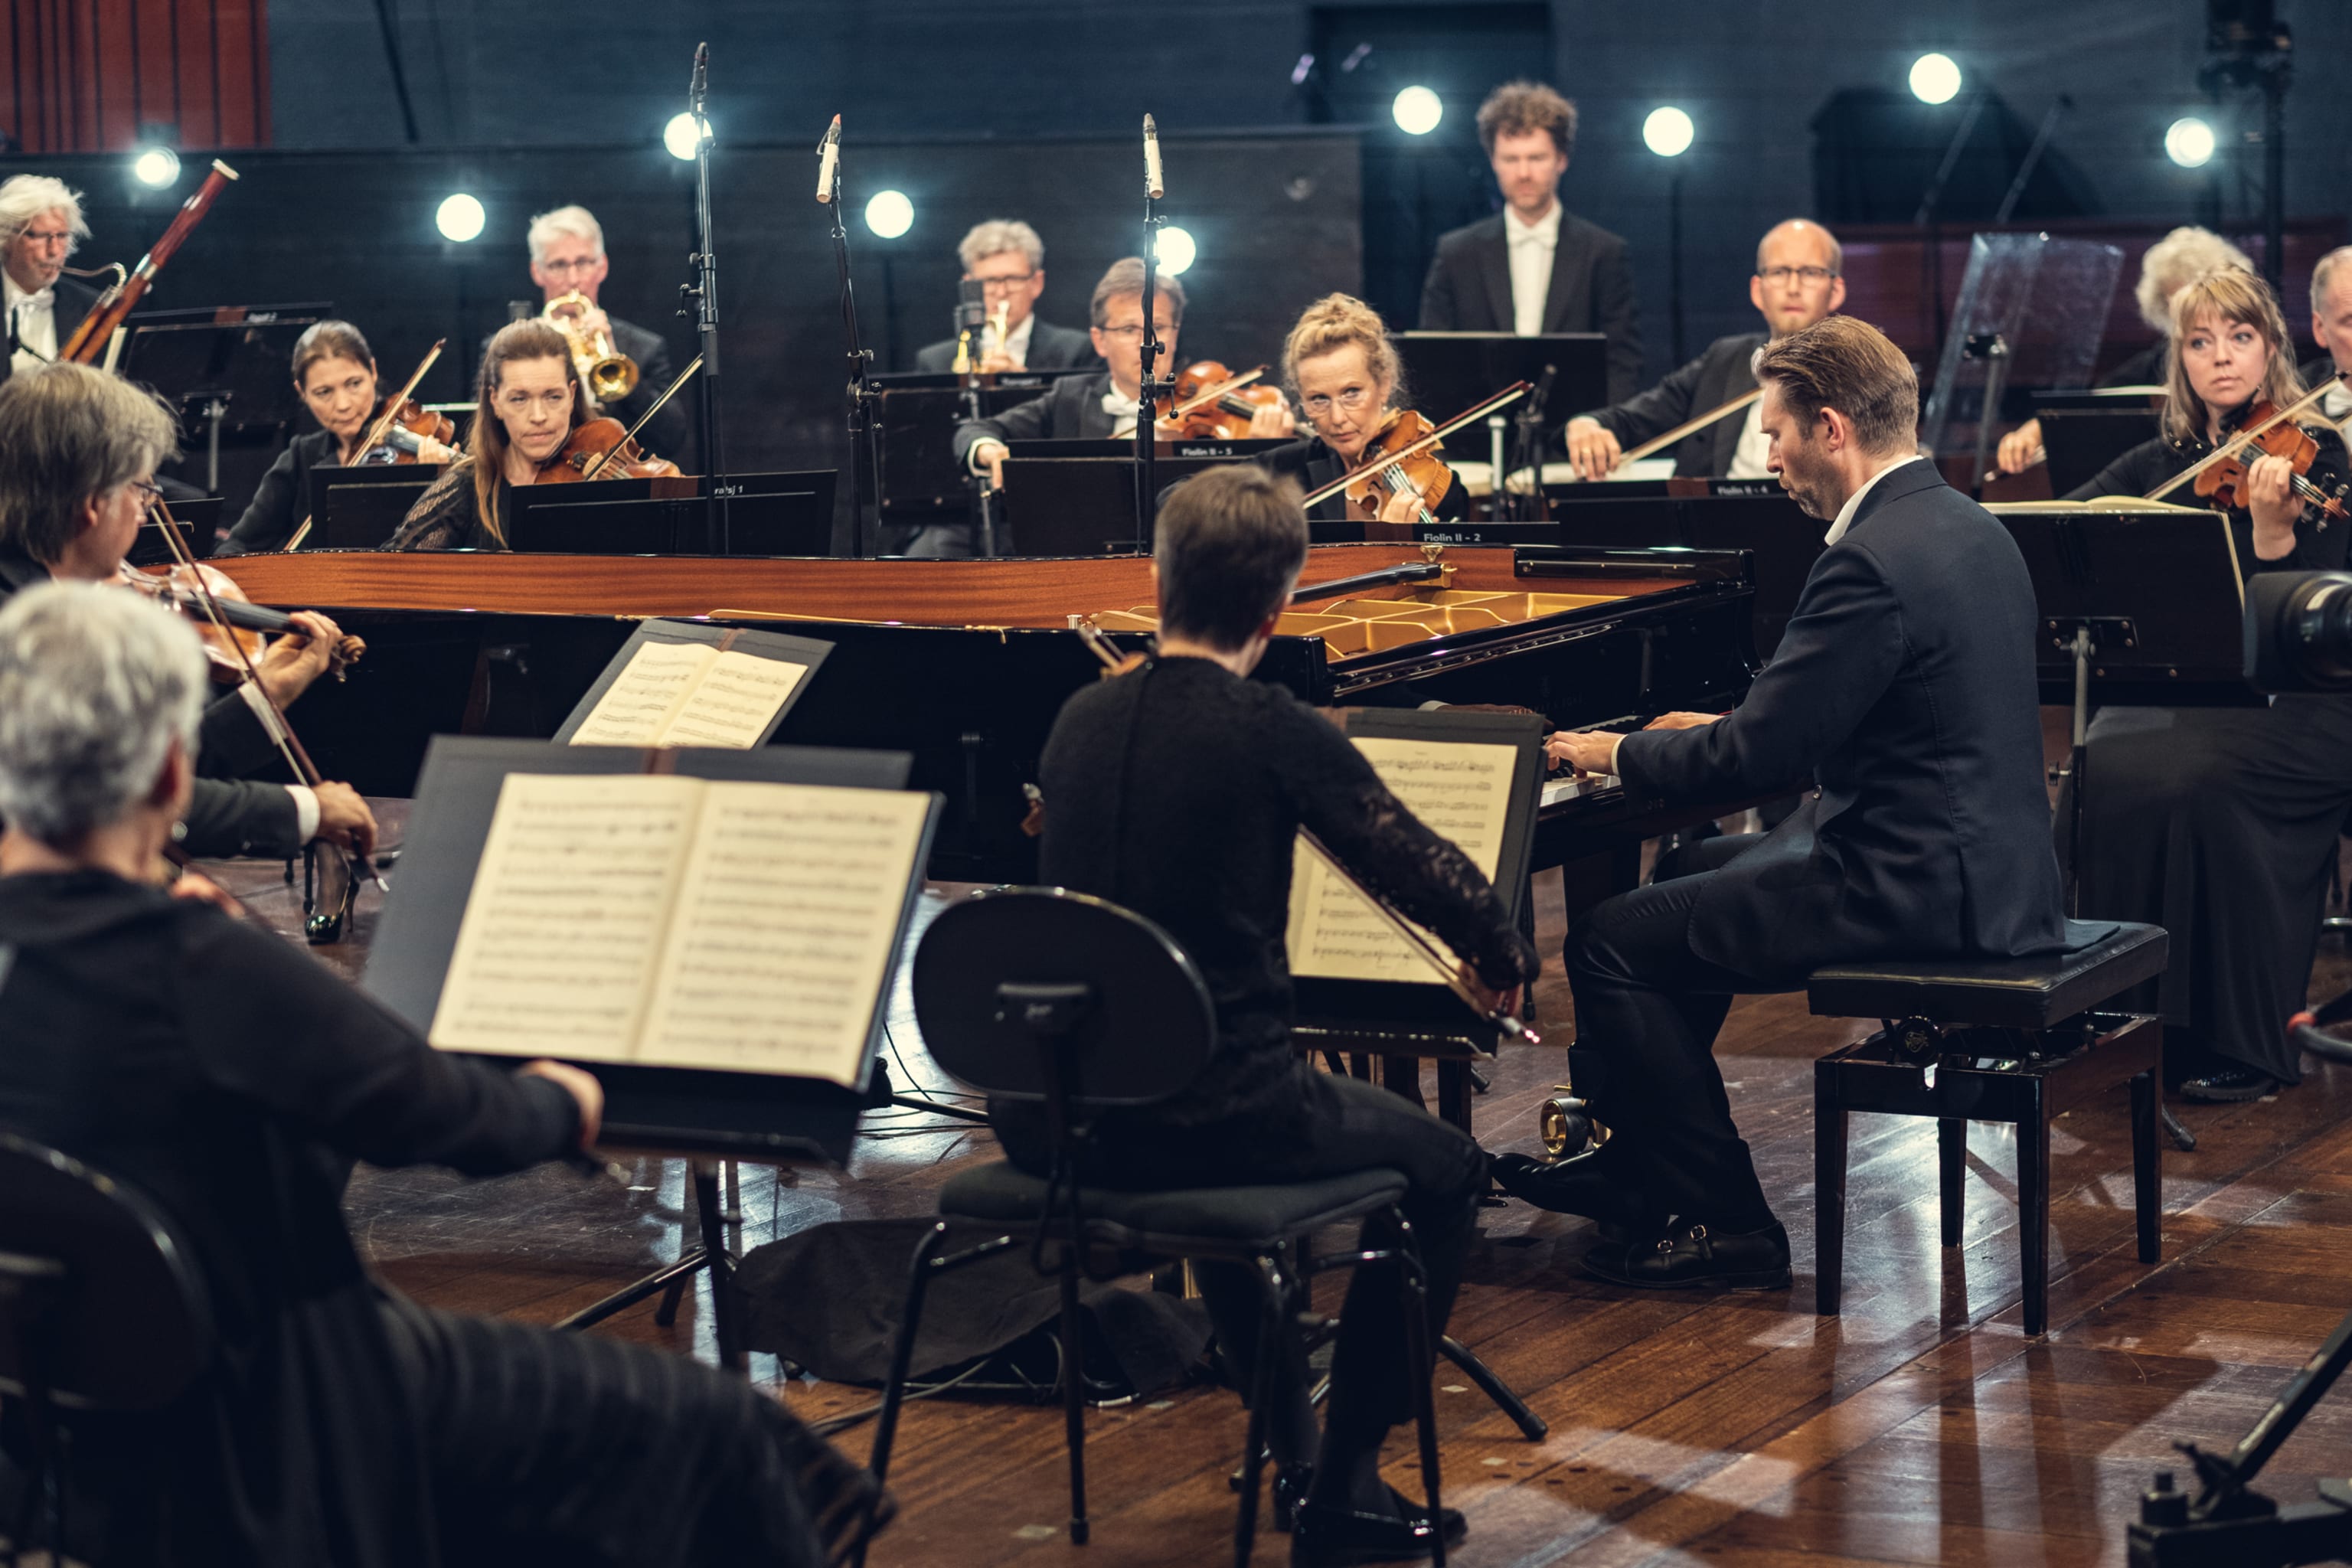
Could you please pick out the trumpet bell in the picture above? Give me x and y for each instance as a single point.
(607, 373)
(612, 378)
(1565, 1127)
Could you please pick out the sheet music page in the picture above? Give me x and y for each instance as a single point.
(1460, 792)
(786, 929)
(647, 693)
(732, 704)
(564, 925)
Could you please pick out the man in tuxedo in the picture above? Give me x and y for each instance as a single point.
(1535, 267)
(1798, 279)
(567, 254)
(1905, 684)
(40, 226)
(2331, 329)
(1007, 260)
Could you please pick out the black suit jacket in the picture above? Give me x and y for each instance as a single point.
(1070, 410)
(226, 817)
(1050, 348)
(73, 302)
(1905, 681)
(1710, 381)
(1468, 290)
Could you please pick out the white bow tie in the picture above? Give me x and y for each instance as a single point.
(1118, 406)
(46, 299)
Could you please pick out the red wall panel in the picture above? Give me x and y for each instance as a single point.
(85, 76)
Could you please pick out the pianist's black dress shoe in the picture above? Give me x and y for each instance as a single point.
(1695, 1256)
(1581, 1186)
(2228, 1084)
(1322, 1536)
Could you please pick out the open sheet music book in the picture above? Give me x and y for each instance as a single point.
(687, 684)
(668, 920)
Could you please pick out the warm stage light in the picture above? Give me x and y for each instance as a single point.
(1418, 110)
(889, 213)
(1935, 79)
(1668, 132)
(683, 135)
(2188, 142)
(459, 217)
(157, 166)
(1176, 251)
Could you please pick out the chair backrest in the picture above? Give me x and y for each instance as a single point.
(126, 1321)
(1145, 1031)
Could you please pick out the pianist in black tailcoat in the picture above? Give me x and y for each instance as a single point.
(1342, 368)
(2221, 824)
(232, 1080)
(1904, 685)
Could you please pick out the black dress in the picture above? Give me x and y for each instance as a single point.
(2221, 824)
(276, 508)
(446, 518)
(1314, 463)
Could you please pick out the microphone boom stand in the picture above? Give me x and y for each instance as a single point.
(858, 361)
(1146, 495)
(703, 294)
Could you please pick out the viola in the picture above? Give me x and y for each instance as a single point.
(2225, 484)
(1212, 403)
(408, 432)
(602, 448)
(244, 625)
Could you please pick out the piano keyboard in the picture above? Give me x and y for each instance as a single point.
(1569, 788)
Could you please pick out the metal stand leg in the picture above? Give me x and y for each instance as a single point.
(1531, 1426)
(1415, 1285)
(1074, 1398)
(2148, 1153)
(1828, 1190)
(2034, 1212)
(1951, 1170)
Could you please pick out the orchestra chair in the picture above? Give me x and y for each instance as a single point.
(102, 1311)
(1043, 994)
(2005, 1040)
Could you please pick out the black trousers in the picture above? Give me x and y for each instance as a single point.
(547, 1447)
(1647, 1011)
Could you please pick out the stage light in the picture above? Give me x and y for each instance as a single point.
(1668, 132)
(1935, 79)
(889, 213)
(683, 135)
(157, 166)
(1176, 251)
(2188, 142)
(1418, 110)
(459, 217)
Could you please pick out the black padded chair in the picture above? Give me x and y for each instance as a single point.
(2013, 1039)
(101, 1309)
(1043, 994)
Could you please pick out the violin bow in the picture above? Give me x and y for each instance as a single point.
(373, 435)
(1202, 398)
(281, 733)
(1688, 429)
(631, 433)
(2238, 443)
(1502, 399)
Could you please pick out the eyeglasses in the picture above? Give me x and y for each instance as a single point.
(148, 488)
(565, 269)
(1001, 284)
(1349, 398)
(47, 235)
(520, 402)
(1133, 332)
(1809, 274)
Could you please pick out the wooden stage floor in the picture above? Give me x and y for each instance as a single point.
(1921, 1426)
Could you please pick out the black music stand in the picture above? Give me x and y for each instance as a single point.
(229, 368)
(712, 1115)
(2083, 432)
(359, 507)
(1084, 503)
(199, 522)
(915, 417)
(766, 514)
(1448, 371)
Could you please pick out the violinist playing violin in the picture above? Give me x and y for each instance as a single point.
(336, 374)
(2220, 823)
(529, 402)
(79, 451)
(1340, 365)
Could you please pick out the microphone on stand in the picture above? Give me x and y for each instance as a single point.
(699, 86)
(828, 153)
(1153, 186)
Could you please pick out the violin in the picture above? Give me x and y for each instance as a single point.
(1401, 456)
(2225, 487)
(1212, 403)
(602, 449)
(407, 432)
(240, 637)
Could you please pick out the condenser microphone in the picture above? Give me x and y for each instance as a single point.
(1153, 186)
(828, 152)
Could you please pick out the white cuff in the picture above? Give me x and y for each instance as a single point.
(270, 726)
(1612, 769)
(306, 810)
(972, 458)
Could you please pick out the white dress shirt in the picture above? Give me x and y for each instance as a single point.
(35, 319)
(1531, 247)
(1122, 410)
(1749, 458)
(1016, 342)
(1853, 502)
(2336, 407)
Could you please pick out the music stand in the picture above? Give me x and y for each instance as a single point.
(1448, 371)
(768, 514)
(359, 507)
(232, 360)
(2083, 432)
(915, 417)
(199, 522)
(2031, 310)
(1083, 505)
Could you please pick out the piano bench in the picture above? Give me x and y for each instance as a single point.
(2017, 1040)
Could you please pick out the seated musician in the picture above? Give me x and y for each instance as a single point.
(528, 401)
(2221, 824)
(40, 224)
(232, 1080)
(1799, 278)
(1340, 365)
(336, 376)
(2331, 329)
(2171, 264)
(1007, 260)
(79, 451)
(567, 257)
(1177, 791)
(1905, 684)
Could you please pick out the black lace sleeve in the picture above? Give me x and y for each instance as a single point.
(1368, 830)
(443, 517)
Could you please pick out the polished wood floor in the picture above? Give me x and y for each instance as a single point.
(1921, 1426)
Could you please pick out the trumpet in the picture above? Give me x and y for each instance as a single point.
(607, 373)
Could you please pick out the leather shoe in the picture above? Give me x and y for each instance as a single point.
(1581, 1185)
(1325, 1537)
(2228, 1085)
(1698, 1256)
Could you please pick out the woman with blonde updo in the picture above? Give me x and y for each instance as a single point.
(1339, 364)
